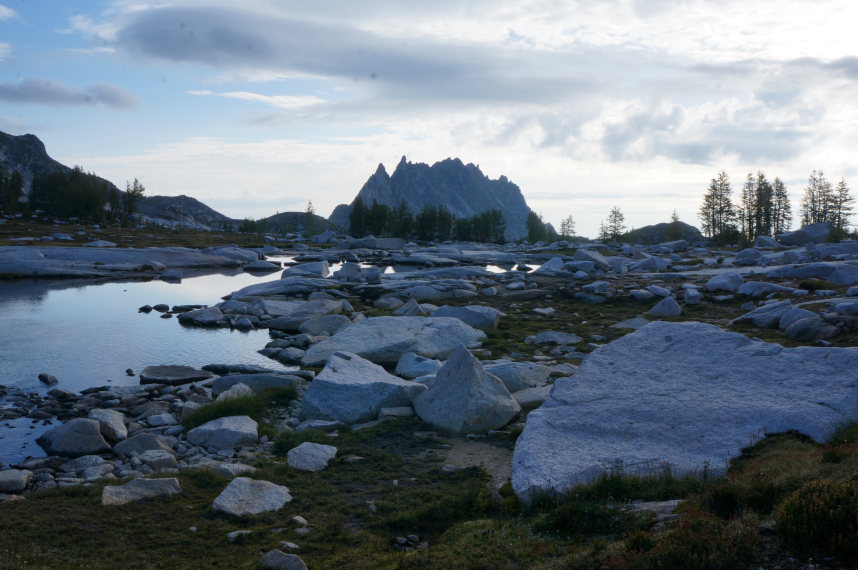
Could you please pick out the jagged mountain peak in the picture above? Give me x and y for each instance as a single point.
(461, 188)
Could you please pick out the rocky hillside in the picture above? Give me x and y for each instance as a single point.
(665, 231)
(27, 155)
(290, 222)
(462, 188)
(182, 211)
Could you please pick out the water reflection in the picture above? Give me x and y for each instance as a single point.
(87, 334)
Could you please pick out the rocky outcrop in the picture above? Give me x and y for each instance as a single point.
(461, 188)
(351, 389)
(139, 489)
(181, 211)
(684, 394)
(385, 339)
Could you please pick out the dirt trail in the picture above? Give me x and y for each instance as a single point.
(497, 461)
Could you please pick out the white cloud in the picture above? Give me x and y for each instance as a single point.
(279, 101)
(7, 13)
(5, 50)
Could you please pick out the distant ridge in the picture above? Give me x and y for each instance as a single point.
(461, 188)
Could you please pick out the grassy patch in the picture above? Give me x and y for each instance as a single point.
(255, 406)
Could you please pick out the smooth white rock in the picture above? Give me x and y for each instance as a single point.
(310, 456)
(225, 433)
(688, 394)
(245, 496)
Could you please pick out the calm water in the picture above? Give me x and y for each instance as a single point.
(88, 334)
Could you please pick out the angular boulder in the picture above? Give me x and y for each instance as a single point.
(310, 456)
(686, 394)
(520, 375)
(74, 438)
(477, 316)
(14, 480)
(141, 443)
(112, 424)
(225, 433)
(464, 398)
(352, 389)
(139, 489)
(385, 339)
(245, 496)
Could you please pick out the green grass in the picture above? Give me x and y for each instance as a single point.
(256, 406)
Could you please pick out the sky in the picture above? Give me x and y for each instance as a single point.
(260, 106)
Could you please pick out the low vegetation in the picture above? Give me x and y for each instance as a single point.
(256, 406)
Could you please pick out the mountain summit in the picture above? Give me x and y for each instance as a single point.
(461, 188)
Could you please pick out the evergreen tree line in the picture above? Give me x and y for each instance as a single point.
(11, 190)
(432, 223)
(76, 193)
(764, 209)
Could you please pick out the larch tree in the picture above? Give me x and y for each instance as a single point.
(616, 222)
(717, 214)
(781, 208)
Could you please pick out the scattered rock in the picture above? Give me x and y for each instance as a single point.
(245, 496)
(139, 489)
(173, 374)
(225, 433)
(310, 456)
(464, 398)
(76, 437)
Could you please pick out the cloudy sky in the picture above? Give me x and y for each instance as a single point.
(257, 106)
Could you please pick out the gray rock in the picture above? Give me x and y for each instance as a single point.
(520, 375)
(139, 489)
(667, 307)
(554, 337)
(14, 480)
(245, 496)
(229, 470)
(173, 374)
(161, 420)
(593, 256)
(279, 560)
(158, 459)
(310, 456)
(141, 443)
(410, 309)
(256, 382)
(324, 326)
(654, 396)
(48, 379)
(766, 242)
(386, 339)
(532, 398)
(411, 365)
(464, 398)
(206, 317)
(351, 389)
(261, 266)
(76, 437)
(725, 282)
(766, 316)
(760, 288)
(112, 424)
(814, 233)
(793, 315)
(477, 316)
(810, 329)
(225, 433)
(311, 269)
(692, 296)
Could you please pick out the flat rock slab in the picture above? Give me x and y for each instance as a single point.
(173, 375)
(245, 496)
(14, 480)
(139, 489)
(225, 433)
(686, 394)
(385, 339)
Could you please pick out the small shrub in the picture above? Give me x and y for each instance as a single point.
(822, 514)
(588, 518)
(845, 435)
(697, 542)
(813, 284)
